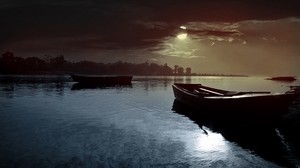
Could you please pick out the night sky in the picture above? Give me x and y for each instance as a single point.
(231, 37)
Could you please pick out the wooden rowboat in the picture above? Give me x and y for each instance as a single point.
(223, 102)
(102, 80)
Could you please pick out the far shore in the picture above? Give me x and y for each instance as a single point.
(63, 73)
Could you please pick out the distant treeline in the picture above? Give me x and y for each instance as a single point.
(10, 64)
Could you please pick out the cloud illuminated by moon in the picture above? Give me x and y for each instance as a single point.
(182, 36)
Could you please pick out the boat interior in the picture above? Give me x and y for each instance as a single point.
(208, 91)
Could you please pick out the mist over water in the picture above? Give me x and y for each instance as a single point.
(48, 123)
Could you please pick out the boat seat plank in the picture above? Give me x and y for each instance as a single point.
(208, 92)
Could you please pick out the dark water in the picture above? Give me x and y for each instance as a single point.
(45, 122)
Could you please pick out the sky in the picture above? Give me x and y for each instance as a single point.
(229, 37)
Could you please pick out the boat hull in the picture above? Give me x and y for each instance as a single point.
(254, 105)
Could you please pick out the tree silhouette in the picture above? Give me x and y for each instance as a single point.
(188, 71)
(167, 70)
(9, 64)
(180, 71)
(175, 69)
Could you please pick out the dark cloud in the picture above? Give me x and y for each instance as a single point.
(23, 19)
(106, 21)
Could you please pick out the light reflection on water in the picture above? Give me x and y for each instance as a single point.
(50, 125)
(212, 142)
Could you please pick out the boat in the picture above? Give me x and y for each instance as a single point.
(219, 102)
(283, 78)
(294, 89)
(91, 80)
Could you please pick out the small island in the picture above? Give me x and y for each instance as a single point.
(283, 78)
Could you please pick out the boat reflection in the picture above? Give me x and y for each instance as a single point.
(79, 86)
(258, 138)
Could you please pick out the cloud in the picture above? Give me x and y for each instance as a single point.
(152, 24)
(246, 32)
(281, 30)
(173, 47)
(117, 21)
(214, 32)
(179, 53)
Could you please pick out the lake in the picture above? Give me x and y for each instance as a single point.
(47, 122)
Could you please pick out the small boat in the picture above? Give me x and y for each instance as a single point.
(283, 78)
(223, 102)
(102, 80)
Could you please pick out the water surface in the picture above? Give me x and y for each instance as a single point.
(45, 122)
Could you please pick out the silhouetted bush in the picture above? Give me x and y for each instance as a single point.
(9, 64)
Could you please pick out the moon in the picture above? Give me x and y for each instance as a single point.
(183, 34)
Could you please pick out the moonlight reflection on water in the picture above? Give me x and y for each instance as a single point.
(211, 142)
